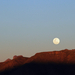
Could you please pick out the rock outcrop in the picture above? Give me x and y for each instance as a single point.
(7, 60)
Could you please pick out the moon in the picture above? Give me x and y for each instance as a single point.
(56, 41)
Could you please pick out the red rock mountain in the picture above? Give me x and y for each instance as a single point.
(64, 56)
(15, 62)
(7, 60)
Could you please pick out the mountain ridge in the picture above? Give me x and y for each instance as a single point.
(58, 57)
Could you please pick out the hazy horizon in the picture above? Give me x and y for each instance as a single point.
(28, 27)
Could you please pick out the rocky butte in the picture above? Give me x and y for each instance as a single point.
(44, 63)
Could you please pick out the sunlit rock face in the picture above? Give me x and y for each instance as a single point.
(63, 56)
(15, 56)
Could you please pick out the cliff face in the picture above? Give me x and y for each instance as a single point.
(58, 57)
(63, 56)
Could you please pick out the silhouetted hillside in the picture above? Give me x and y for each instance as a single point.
(43, 63)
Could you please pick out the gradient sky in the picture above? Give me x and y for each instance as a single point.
(29, 26)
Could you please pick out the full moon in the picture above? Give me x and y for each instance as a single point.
(56, 41)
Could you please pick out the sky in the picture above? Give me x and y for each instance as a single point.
(29, 26)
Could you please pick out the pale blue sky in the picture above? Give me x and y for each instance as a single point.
(29, 26)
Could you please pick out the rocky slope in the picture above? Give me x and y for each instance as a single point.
(10, 64)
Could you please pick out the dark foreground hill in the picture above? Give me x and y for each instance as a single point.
(44, 63)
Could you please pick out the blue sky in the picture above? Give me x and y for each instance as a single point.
(29, 26)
